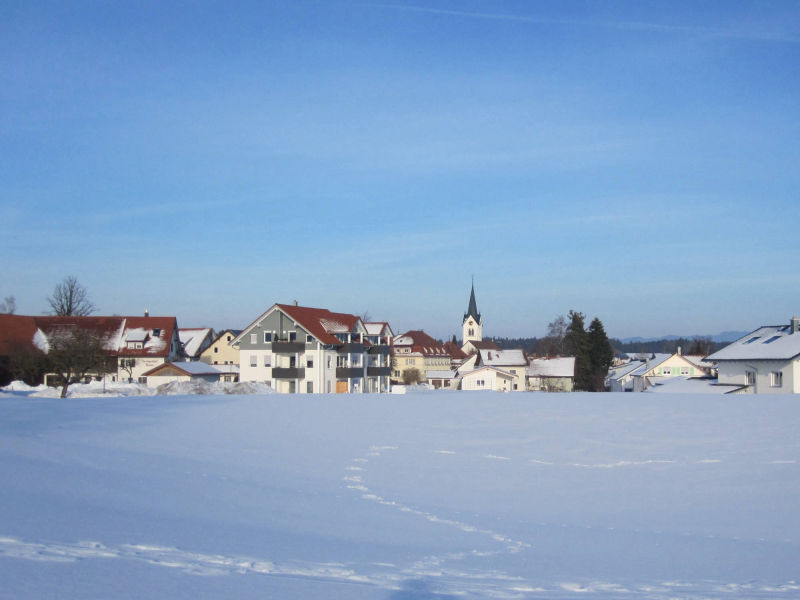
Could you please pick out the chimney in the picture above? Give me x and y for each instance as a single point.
(795, 324)
(146, 313)
(679, 351)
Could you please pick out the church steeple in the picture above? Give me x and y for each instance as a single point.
(472, 325)
(472, 309)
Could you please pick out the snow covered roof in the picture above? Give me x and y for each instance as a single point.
(187, 368)
(690, 385)
(420, 342)
(378, 328)
(772, 342)
(193, 338)
(443, 374)
(623, 370)
(655, 360)
(552, 367)
(503, 358)
(155, 333)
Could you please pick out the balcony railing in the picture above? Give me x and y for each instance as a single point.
(283, 346)
(351, 348)
(349, 372)
(383, 349)
(379, 371)
(288, 372)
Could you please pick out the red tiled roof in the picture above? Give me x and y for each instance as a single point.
(16, 331)
(423, 343)
(485, 345)
(21, 329)
(454, 351)
(320, 322)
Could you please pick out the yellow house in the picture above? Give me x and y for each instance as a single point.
(220, 352)
(417, 350)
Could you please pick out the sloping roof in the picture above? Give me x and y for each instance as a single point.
(623, 370)
(483, 345)
(691, 385)
(563, 366)
(497, 370)
(771, 342)
(34, 331)
(193, 338)
(472, 309)
(655, 360)
(503, 358)
(320, 322)
(185, 368)
(454, 351)
(378, 328)
(16, 331)
(420, 342)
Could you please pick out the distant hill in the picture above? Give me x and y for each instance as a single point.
(724, 337)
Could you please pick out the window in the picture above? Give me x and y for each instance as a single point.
(267, 336)
(253, 360)
(684, 370)
(292, 336)
(228, 339)
(329, 362)
(309, 338)
(666, 371)
(267, 360)
(143, 380)
(156, 332)
(227, 378)
(309, 387)
(310, 363)
(253, 338)
(776, 379)
(752, 339)
(750, 377)
(216, 349)
(772, 339)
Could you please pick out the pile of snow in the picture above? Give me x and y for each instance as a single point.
(174, 388)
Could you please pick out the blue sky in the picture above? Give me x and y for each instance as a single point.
(637, 161)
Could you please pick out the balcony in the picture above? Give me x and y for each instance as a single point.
(287, 347)
(379, 371)
(288, 373)
(349, 372)
(382, 349)
(351, 348)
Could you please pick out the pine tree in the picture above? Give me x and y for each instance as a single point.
(576, 343)
(601, 355)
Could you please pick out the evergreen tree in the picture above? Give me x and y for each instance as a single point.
(576, 343)
(601, 355)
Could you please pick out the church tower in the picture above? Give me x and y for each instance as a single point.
(471, 326)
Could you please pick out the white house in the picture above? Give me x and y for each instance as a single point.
(663, 366)
(766, 361)
(551, 374)
(620, 377)
(488, 378)
(298, 349)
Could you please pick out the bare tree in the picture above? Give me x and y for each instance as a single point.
(75, 352)
(8, 306)
(411, 376)
(70, 298)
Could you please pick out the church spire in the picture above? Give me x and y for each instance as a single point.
(472, 309)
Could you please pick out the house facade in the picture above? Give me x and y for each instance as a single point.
(658, 367)
(551, 374)
(417, 350)
(297, 349)
(765, 361)
(488, 378)
(221, 351)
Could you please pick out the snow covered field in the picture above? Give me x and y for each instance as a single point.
(427, 495)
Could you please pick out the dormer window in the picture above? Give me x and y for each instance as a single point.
(156, 332)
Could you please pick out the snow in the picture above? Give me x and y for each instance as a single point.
(391, 497)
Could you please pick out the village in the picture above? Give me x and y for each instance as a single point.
(297, 349)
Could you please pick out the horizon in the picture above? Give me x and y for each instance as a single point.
(633, 161)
